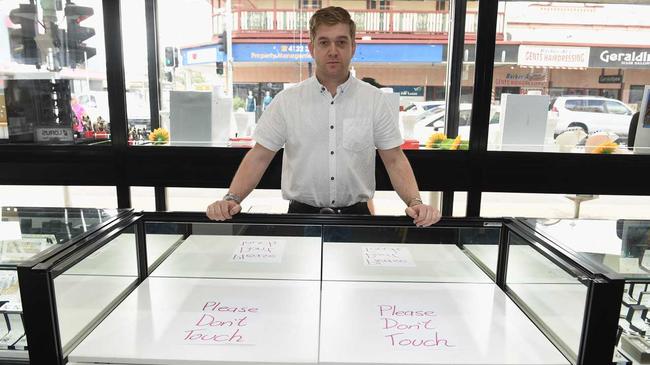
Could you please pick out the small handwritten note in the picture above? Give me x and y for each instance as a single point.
(408, 328)
(221, 324)
(387, 256)
(259, 251)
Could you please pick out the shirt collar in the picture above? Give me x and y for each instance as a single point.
(341, 89)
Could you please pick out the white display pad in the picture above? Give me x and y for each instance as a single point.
(560, 306)
(525, 265)
(523, 122)
(399, 262)
(119, 257)
(427, 323)
(221, 257)
(276, 321)
(81, 298)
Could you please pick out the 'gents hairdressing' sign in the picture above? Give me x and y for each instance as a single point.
(543, 56)
(619, 57)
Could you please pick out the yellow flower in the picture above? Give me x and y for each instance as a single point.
(455, 143)
(435, 139)
(606, 147)
(159, 135)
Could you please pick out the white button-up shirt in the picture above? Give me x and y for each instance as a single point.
(329, 154)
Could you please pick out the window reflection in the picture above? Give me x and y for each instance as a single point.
(244, 53)
(593, 90)
(53, 73)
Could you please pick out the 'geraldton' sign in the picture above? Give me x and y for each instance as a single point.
(619, 57)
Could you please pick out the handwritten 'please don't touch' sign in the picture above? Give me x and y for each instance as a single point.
(387, 256)
(219, 323)
(259, 251)
(408, 328)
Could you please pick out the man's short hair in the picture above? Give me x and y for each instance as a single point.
(331, 15)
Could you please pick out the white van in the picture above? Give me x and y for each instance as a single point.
(590, 113)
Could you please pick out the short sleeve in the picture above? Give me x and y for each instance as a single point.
(271, 130)
(386, 127)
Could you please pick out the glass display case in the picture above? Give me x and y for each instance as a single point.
(28, 236)
(615, 248)
(175, 288)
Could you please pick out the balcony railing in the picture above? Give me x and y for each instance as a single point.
(368, 21)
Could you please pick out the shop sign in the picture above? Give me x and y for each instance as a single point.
(54, 134)
(541, 56)
(202, 55)
(610, 79)
(526, 79)
(619, 57)
(408, 90)
(365, 53)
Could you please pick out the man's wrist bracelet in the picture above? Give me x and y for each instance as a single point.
(232, 197)
(414, 201)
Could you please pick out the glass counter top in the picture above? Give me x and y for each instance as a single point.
(619, 246)
(27, 233)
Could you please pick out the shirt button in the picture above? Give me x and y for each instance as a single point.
(331, 127)
(332, 178)
(332, 201)
(331, 152)
(332, 103)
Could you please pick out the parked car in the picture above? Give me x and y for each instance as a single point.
(435, 122)
(590, 113)
(419, 107)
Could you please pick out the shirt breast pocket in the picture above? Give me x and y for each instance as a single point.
(357, 133)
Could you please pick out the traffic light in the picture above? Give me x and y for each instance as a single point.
(78, 52)
(219, 68)
(222, 42)
(23, 40)
(171, 57)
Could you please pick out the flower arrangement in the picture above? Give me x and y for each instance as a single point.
(435, 139)
(159, 136)
(440, 141)
(605, 147)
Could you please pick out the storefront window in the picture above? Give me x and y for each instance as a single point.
(53, 73)
(223, 62)
(58, 196)
(591, 206)
(567, 90)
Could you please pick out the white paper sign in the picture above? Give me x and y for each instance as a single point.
(259, 251)
(220, 323)
(387, 256)
(409, 327)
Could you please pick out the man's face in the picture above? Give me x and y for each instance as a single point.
(332, 49)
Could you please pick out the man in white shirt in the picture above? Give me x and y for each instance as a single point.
(329, 126)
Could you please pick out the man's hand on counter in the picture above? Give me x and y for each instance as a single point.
(222, 210)
(423, 215)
